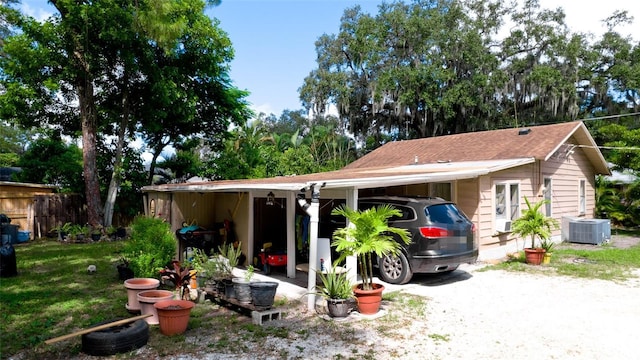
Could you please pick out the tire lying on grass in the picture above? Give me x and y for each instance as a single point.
(116, 339)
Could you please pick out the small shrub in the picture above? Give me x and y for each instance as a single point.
(151, 246)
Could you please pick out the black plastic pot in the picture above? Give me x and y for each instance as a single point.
(263, 293)
(242, 290)
(339, 307)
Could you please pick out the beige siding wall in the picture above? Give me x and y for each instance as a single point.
(565, 169)
(203, 209)
(238, 205)
(565, 172)
(466, 197)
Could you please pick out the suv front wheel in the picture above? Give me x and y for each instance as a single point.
(394, 269)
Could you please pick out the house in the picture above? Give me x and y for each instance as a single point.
(486, 173)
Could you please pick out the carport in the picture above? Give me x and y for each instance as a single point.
(306, 191)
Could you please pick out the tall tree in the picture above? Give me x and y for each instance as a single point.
(74, 70)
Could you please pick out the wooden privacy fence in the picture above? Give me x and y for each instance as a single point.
(51, 210)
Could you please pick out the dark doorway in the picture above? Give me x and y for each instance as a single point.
(270, 223)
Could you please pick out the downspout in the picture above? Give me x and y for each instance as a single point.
(313, 210)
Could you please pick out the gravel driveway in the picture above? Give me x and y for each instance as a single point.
(503, 315)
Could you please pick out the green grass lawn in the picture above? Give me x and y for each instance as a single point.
(53, 294)
(599, 262)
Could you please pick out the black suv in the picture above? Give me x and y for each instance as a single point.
(442, 237)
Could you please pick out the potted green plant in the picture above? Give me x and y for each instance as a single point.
(76, 232)
(241, 286)
(368, 234)
(548, 246)
(230, 254)
(534, 224)
(62, 230)
(178, 276)
(95, 232)
(337, 291)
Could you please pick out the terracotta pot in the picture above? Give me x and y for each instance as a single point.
(173, 316)
(147, 298)
(134, 286)
(534, 256)
(368, 300)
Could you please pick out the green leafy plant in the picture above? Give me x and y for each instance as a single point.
(150, 247)
(249, 273)
(547, 245)
(213, 267)
(368, 234)
(335, 284)
(533, 223)
(232, 254)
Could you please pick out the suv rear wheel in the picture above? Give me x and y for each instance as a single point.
(394, 269)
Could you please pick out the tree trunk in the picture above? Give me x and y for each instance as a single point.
(116, 178)
(89, 128)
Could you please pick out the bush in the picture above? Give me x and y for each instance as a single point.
(151, 246)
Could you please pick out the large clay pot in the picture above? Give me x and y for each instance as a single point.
(368, 300)
(147, 298)
(173, 316)
(534, 256)
(263, 293)
(134, 286)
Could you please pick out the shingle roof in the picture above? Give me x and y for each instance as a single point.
(441, 158)
(539, 142)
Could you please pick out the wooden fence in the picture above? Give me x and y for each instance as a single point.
(53, 210)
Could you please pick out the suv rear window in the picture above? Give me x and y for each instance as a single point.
(444, 214)
(407, 212)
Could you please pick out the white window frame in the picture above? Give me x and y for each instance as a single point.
(582, 196)
(511, 207)
(547, 195)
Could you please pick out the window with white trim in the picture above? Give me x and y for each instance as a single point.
(547, 196)
(582, 197)
(507, 201)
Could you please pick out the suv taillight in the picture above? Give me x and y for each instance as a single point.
(433, 232)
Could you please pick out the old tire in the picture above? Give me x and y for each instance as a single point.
(116, 339)
(394, 269)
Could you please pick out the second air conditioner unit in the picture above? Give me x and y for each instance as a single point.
(503, 225)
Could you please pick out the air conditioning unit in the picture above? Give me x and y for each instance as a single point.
(503, 225)
(590, 231)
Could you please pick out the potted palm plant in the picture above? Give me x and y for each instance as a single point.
(367, 235)
(534, 224)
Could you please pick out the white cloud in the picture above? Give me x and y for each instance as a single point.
(39, 13)
(586, 15)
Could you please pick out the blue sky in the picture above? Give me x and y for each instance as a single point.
(274, 39)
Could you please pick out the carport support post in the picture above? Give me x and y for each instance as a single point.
(313, 210)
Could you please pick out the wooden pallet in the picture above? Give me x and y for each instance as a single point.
(258, 315)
